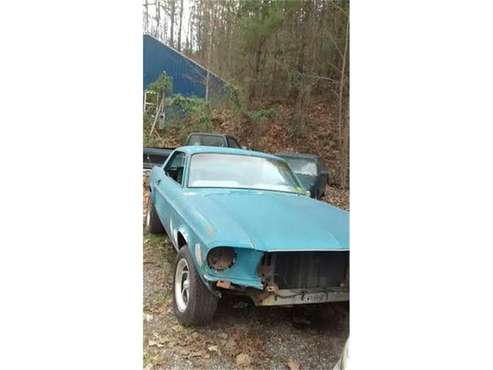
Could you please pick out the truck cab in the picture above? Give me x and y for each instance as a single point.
(206, 139)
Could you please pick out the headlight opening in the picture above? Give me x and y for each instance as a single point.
(221, 258)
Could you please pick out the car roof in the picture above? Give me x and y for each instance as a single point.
(193, 149)
(297, 155)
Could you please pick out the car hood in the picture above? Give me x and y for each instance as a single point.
(271, 221)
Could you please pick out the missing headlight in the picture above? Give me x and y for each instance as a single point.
(221, 258)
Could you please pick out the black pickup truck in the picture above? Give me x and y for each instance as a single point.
(157, 156)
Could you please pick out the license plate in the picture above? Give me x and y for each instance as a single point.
(315, 297)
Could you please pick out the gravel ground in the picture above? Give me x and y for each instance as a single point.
(241, 335)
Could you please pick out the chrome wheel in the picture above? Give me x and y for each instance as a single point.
(182, 285)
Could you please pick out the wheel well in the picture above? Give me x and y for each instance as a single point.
(181, 240)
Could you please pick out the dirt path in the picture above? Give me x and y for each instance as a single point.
(263, 337)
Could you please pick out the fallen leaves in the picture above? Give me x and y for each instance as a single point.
(243, 360)
(293, 364)
(222, 335)
(152, 343)
(337, 197)
(196, 354)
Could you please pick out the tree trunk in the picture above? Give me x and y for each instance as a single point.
(343, 131)
(256, 81)
(209, 52)
(146, 16)
(172, 20)
(158, 19)
(163, 21)
(181, 23)
(189, 40)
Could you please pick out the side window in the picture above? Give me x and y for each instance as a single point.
(174, 168)
(232, 143)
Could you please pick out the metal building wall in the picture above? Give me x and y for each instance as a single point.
(189, 78)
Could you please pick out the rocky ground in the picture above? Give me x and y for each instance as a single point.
(242, 335)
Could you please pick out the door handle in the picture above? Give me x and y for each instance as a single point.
(158, 181)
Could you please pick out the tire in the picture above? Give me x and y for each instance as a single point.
(200, 304)
(153, 224)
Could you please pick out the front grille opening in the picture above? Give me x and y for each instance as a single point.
(305, 270)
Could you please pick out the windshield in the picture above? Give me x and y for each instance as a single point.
(241, 171)
(207, 140)
(303, 166)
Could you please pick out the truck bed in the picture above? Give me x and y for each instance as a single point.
(155, 156)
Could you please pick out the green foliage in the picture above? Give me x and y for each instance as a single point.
(181, 109)
(205, 122)
(188, 115)
(202, 119)
(262, 115)
(185, 105)
(162, 86)
(234, 96)
(259, 19)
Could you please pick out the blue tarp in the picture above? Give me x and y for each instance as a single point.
(189, 78)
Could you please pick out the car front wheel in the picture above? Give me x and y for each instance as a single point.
(193, 303)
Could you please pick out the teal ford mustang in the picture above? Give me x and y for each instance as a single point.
(242, 223)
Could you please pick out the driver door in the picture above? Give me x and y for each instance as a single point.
(169, 189)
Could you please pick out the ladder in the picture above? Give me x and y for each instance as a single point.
(149, 95)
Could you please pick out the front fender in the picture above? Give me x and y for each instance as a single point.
(198, 253)
(242, 273)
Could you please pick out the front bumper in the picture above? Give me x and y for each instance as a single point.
(286, 278)
(300, 296)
